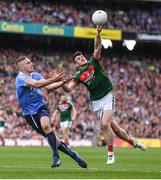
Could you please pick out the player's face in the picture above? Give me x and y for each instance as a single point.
(27, 65)
(81, 60)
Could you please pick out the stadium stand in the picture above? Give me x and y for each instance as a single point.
(138, 102)
(120, 17)
(136, 77)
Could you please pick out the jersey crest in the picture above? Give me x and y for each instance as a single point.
(63, 107)
(87, 75)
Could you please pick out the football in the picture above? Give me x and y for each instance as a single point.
(99, 17)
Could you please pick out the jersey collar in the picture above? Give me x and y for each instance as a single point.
(25, 74)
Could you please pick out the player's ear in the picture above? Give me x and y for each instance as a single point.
(21, 67)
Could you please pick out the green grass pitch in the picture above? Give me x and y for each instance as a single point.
(34, 163)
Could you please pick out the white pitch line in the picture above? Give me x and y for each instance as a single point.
(37, 167)
(149, 171)
(92, 169)
(22, 167)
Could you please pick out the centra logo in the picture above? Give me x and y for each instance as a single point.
(12, 27)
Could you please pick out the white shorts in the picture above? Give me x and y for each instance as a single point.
(66, 124)
(106, 103)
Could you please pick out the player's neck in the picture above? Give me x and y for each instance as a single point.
(82, 66)
(26, 73)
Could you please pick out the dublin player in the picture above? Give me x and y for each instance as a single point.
(35, 109)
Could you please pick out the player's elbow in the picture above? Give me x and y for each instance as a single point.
(67, 89)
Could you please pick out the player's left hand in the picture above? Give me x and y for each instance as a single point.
(68, 78)
(58, 75)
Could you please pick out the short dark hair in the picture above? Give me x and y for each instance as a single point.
(20, 59)
(77, 53)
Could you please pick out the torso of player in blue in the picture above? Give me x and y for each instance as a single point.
(30, 98)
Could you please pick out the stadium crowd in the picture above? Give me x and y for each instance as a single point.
(131, 19)
(137, 84)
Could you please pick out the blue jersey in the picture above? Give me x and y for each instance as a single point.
(30, 98)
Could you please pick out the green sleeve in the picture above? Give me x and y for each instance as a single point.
(77, 77)
(93, 62)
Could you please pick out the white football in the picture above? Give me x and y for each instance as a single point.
(99, 17)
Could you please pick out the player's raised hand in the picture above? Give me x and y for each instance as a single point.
(57, 75)
(68, 78)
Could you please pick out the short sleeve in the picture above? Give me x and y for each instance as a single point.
(92, 61)
(22, 80)
(71, 103)
(77, 77)
(37, 76)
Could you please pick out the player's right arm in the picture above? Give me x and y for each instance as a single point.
(57, 76)
(70, 86)
(97, 44)
(58, 84)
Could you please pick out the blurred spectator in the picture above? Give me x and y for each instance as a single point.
(136, 83)
(131, 19)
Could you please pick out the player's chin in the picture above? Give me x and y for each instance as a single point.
(85, 63)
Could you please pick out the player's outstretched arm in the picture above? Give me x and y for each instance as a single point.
(68, 87)
(56, 85)
(56, 76)
(97, 44)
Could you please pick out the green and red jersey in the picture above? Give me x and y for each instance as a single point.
(65, 109)
(95, 79)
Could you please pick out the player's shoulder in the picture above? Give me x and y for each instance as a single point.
(21, 76)
(77, 76)
(35, 74)
(78, 72)
(92, 60)
(17, 79)
(21, 79)
(60, 102)
(70, 102)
